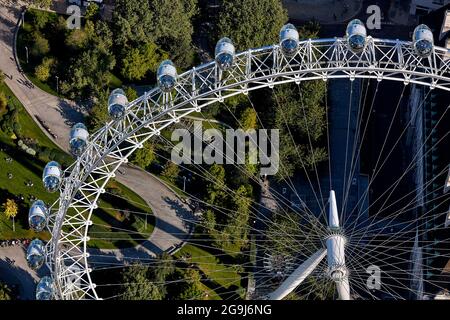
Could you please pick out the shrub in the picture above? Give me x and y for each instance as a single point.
(17, 128)
(40, 45)
(30, 151)
(171, 171)
(43, 71)
(3, 102)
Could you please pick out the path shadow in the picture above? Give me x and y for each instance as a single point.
(181, 211)
(18, 278)
(69, 113)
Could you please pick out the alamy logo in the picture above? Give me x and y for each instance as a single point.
(374, 279)
(210, 147)
(74, 20)
(374, 20)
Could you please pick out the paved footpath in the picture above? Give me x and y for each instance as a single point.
(60, 114)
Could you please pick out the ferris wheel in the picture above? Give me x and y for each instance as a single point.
(332, 241)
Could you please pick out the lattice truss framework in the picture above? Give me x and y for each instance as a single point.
(85, 180)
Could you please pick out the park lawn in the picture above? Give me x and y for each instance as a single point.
(105, 233)
(23, 169)
(27, 168)
(223, 275)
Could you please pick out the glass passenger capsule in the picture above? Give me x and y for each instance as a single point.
(35, 254)
(37, 216)
(356, 36)
(78, 139)
(423, 41)
(224, 53)
(117, 104)
(167, 76)
(289, 39)
(52, 176)
(44, 289)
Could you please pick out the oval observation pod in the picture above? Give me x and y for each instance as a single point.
(356, 36)
(78, 139)
(423, 41)
(35, 254)
(44, 289)
(37, 216)
(117, 104)
(289, 39)
(167, 76)
(52, 176)
(224, 53)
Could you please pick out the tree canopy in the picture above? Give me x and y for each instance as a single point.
(251, 23)
(10, 208)
(137, 284)
(168, 24)
(145, 156)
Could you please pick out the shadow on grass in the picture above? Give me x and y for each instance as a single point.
(120, 227)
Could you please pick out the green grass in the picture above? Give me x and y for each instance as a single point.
(109, 220)
(25, 168)
(223, 277)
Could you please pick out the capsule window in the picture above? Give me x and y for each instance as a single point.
(356, 35)
(224, 53)
(289, 39)
(167, 76)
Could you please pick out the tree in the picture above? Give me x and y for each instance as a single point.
(173, 28)
(191, 289)
(164, 267)
(251, 23)
(145, 156)
(92, 11)
(44, 4)
(249, 119)
(77, 39)
(138, 61)
(301, 117)
(170, 171)
(130, 93)
(3, 102)
(2, 77)
(137, 285)
(237, 225)
(90, 70)
(90, 73)
(39, 18)
(43, 71)
(40, 45)
(215, 188)
(98, 115)
(5, 292)
(132, 23)
(11, 209)
(168, 24)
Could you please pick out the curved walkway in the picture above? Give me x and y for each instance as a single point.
(59, 115)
